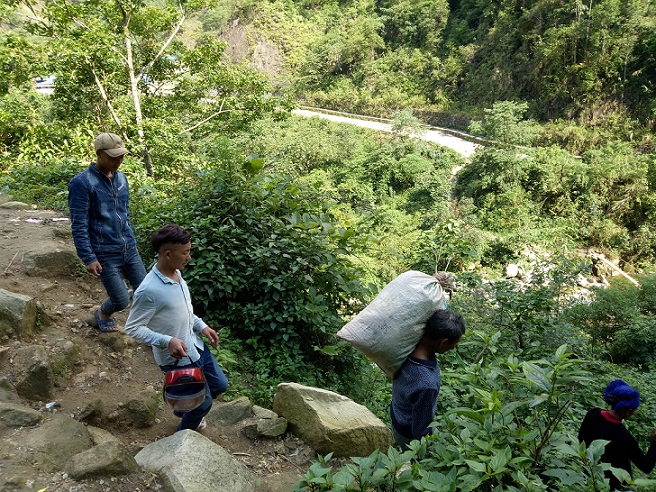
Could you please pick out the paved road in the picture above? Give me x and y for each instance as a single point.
(463, 147)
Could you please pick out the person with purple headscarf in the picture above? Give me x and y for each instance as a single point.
(623, 449)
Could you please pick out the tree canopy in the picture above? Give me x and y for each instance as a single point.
(123, 65)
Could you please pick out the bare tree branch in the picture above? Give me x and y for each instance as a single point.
(166, 43)
(108, 103)
(220, 111)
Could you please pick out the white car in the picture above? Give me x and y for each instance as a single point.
(45, 84)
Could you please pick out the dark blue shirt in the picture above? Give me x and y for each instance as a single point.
(414, 397)
(100, 221)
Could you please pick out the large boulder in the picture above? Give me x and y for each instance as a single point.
(330, 422)
(34, 375)
(17, 314)
(189, 462)
(51, 262)
(139, 411)
(49, 447)
(7, 390)
(107, 459)
(230, 412)
(16, 415)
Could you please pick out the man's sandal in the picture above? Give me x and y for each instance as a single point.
(105, 325)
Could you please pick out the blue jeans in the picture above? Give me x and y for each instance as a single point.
(215, 384)
(400, 440)
(114, 266)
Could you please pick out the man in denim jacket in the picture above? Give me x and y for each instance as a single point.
(98, 203)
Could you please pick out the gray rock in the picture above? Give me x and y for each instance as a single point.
(91, 412)
(254, 427)
(16, 477)
(15, 415)
(100, 436)
(35, 379)
(7, 391)
(272, 427)
(140, 411)
(17, 314)
(231, 412)
(50, 446)
(189, 462)
(107, 459)
(330, 422)
(51, 262)
(16, 205)
(263, 413)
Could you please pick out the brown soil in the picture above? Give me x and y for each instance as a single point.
(116, 368)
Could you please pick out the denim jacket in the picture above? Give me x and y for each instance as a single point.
(100, 221)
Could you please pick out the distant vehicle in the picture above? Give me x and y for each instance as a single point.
(42, 83)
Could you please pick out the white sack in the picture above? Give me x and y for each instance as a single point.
(390, 327)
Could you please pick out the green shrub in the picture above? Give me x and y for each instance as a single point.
(508, 427)
(621, 321)
(45, 183)
(270, 264)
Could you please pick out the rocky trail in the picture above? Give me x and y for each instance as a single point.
(99, 376)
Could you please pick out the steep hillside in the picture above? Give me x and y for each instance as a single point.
(111, 368)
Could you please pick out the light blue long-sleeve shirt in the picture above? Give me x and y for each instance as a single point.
(161, 310)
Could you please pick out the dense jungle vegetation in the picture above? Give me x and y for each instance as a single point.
(299, 222)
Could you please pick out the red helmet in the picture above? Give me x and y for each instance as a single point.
(184, 389)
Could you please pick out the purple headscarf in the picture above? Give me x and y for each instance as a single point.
(620, 395)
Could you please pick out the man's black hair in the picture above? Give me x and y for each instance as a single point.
(445, 323)
(169, 234)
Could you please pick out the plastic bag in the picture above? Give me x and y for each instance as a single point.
(391, 325)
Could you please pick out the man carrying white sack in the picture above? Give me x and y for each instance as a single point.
(388, 329)
(401, 330)
(416, 384)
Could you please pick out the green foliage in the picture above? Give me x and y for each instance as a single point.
(604, 198)
(18, 61)
(621, 321)
(123, 66)
(269, 259)
(42, 158)
(404, 123)
(509, 434)
(415, 24)
(505, 421)
(504, 123)
(19, 114)
(49, 189)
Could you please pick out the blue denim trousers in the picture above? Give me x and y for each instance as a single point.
(215, 384)
(400, 440)
(114, 267)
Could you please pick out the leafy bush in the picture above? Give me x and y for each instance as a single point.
(504, 123)
(45, 184)
(507, 429)
(270, 264)
(621, 321)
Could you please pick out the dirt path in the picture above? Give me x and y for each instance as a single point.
(116, 367)
(464, 147)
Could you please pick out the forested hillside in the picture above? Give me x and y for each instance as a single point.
(586, 61)
(299, 222)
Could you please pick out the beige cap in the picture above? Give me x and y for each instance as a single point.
(111, 144)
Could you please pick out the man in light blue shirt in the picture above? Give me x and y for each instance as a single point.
(162, 316)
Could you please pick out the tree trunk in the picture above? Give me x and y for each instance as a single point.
(134, 89)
